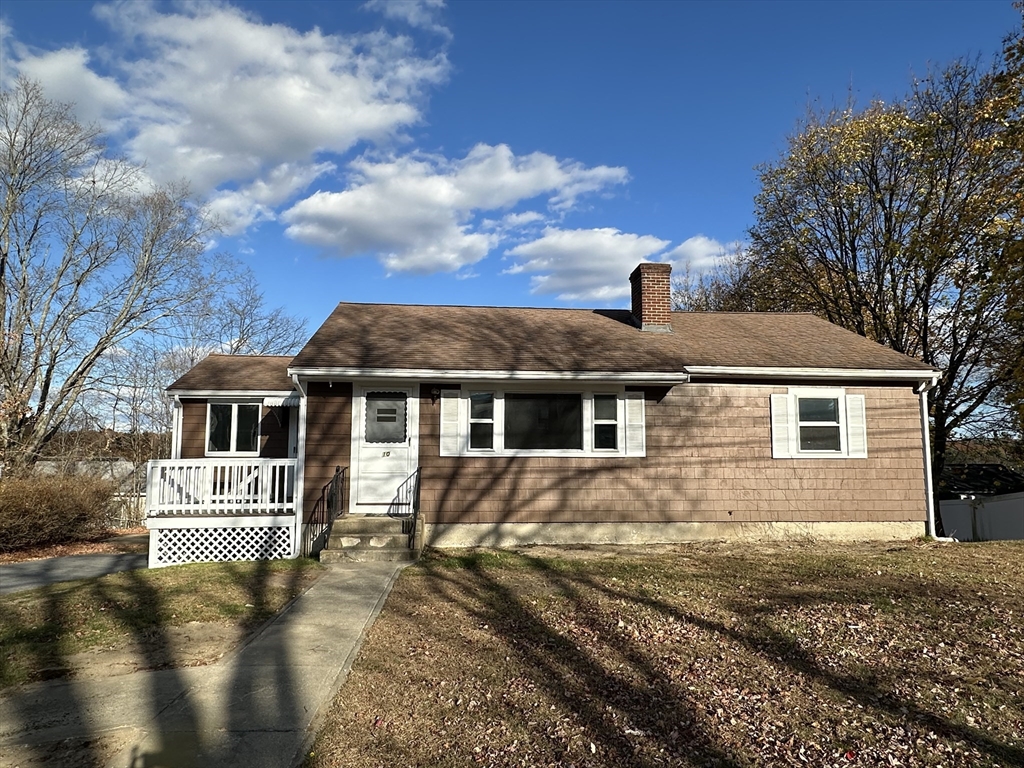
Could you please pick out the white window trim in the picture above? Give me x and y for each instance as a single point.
(234, 421)
(785, 424)
(498, 449)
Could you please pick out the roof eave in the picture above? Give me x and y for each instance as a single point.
(442, 374)
(930, 377)
(200, 393)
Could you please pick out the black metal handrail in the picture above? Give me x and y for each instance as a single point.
(406, 502)
(328, 508)
(406, 507)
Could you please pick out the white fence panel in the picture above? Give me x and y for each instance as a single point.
(992, 518)
(220, 486)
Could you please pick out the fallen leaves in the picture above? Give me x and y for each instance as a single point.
(745, 656)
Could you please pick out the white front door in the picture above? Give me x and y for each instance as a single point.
(385, 445)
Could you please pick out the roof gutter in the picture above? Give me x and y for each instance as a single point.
(929, 377)
(443, 374)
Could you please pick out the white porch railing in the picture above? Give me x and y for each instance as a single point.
(201, 487)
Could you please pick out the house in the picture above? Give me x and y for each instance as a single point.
(507, 425)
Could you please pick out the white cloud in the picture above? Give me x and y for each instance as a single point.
(415, 13)
(699, 253)
(584, 264)
(67, 77)
(210, 94)
(238, 209)
(252, 114)
(416, 211)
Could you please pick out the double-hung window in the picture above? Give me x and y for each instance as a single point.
(606, 423)
(541, 423)
(481, 420)
(233, 428)
(818, 423)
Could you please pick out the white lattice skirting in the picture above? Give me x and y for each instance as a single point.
(172, 546)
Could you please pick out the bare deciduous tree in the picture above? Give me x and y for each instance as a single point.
(90, 256)
(231, 317)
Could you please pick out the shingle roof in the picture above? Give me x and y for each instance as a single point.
(485, 338)
(238, 372)
(398, 336)
(784, 340)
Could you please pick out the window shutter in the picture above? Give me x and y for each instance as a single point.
(636, 433)
(856, 427)
(782, 428)
(450, 439)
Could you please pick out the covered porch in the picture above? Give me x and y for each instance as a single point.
(202, 510)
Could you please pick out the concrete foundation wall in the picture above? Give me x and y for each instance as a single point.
(517, 534)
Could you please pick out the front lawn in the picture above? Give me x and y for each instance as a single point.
(145, 619)
(730, 655)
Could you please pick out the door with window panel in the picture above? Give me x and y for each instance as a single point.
(385, 446)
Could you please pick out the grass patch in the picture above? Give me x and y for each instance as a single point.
(40, 629)
(821, 654)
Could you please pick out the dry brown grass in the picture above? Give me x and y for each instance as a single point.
(143, 619)
(823, 654)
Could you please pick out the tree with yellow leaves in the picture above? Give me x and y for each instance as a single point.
(903, 222)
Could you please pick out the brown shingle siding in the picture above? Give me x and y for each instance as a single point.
(328, 437)
(702, 463)
(273, 431)
(193, 429)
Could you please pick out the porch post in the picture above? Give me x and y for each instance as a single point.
(300, 471)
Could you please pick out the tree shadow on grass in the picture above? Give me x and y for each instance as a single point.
(50, 656)
(655, 708)
(617, 710)
(182, 729)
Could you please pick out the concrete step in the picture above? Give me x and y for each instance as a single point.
(366, 555)
(361, 524)
(347, 540)
(363, 539)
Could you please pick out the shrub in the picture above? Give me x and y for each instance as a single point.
(42, 511)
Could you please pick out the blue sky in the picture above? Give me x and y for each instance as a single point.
(522, 153)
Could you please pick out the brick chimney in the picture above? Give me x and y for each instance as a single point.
(652, 296)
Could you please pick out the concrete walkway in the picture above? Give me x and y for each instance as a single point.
(259, 706)
(30, 574)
